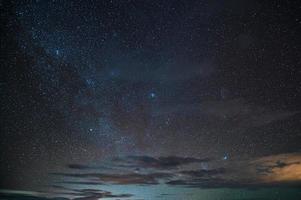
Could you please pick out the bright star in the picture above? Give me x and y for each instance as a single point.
(152, 95)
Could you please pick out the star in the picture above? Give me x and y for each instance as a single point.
(152, 95)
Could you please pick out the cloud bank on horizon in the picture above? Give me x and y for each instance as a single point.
(180, 173)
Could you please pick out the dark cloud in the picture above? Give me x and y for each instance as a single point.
(202, 173)
(266, 169)
(162, 162)
(123, 179)
(143, 162)
(207, 183)
(79, 182)
(266, 172)
(213, 183)
(177, 171)
(78, 166)
(90, 194)
(27, 197)
(82, 167)
(78, 194)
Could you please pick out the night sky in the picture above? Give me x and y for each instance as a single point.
(149, 99)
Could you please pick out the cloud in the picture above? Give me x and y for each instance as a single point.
(208, 183)
(79, 182)
(83, 167)
(162, 162)
(78, 166)
(122, 179)
(271, 171)
(202, 173)
(141, 162)
(283, 170)
(91, 194)
(60, 193)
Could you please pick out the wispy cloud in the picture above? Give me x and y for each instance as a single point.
(160, 162)
(284, 169)
(61, 193)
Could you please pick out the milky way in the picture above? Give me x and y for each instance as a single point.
(108, 99)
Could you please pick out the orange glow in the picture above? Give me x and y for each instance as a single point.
(288, 171)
